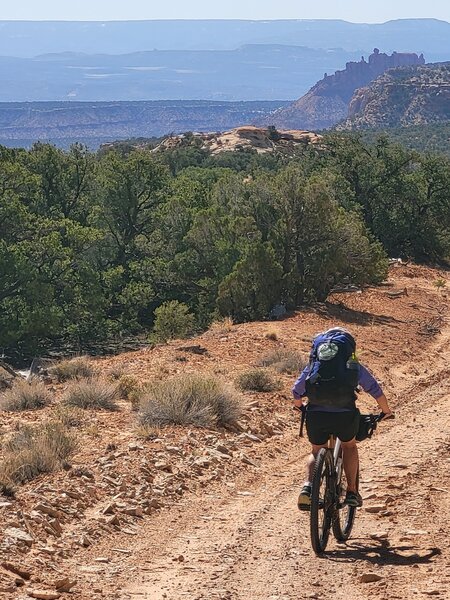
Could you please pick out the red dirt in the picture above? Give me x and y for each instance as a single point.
(231, 529)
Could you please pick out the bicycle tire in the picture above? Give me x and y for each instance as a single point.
(321, 511)
(343, 516)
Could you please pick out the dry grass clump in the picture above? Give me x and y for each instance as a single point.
(69, 416)
(283, 360)
(131, 389)
(33, 450)
(116, 372)
(189, 399)
(25, 395)
(272, 335)
(128, 385)
(75, 368)
(257, 380)
(221, 326)
(92, 393)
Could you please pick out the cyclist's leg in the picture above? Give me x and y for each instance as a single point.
(318, 437)
(346, 428)
(318, 432)
(351, 464)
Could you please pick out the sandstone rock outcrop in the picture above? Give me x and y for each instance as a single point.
(402, 97)
(261, 139)
(327, 102)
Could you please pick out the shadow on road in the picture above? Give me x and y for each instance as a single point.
(383, 553)
(358, 317)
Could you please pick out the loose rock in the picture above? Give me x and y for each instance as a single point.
(370, 578)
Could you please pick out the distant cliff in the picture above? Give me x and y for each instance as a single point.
(418, 95)
(327, 102)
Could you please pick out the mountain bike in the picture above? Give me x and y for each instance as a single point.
(328, 510)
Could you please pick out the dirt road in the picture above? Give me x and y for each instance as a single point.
(211, 514)
(251, 542)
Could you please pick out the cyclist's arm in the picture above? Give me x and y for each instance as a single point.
(384, 405)
(370, 385)
(299, 389)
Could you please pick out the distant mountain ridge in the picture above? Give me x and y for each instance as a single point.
(31, 38)
(95, 123)
(402, 97)
(327, 102)
(261, 72)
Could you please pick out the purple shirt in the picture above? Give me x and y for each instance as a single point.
(366, 380)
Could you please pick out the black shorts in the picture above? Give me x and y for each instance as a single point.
(320, 425)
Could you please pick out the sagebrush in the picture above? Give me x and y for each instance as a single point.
(32, 450)
(75, 368)
(283, 360)
(257, 380)
(92, 393)
(25, 395)
(190, 399)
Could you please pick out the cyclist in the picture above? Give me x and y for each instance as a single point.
(341, 421)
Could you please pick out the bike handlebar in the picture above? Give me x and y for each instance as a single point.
(382, 416)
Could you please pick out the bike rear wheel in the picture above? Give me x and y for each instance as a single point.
(322, 500)
(343, 515)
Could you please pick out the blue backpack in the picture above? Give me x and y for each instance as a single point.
(333, 370)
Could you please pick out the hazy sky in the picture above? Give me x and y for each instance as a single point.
(99, 10)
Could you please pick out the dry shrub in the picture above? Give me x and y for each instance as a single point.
(283, 360)
(272, 335)
(69, 416)
(189, 399)
(75, 368)
(116, 372)
(128, 385)
(92, 393)
(25, 395)
(257, 380)
(221, 326)
(33, 450)
(148, 432)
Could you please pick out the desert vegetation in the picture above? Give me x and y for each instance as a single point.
(92, 393)
(25, 395)
(283, 360)
(189, 399)
(74, 368)
(32, 450)
(125, 242)
(257, 380)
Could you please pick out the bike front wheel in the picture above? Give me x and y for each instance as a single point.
(322, 501)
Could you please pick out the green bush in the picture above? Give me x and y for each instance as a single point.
(257, 380)
(253, 287)
(172, 321)
(189, 399)
(25, 395)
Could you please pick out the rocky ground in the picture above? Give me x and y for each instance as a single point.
(204, 514)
